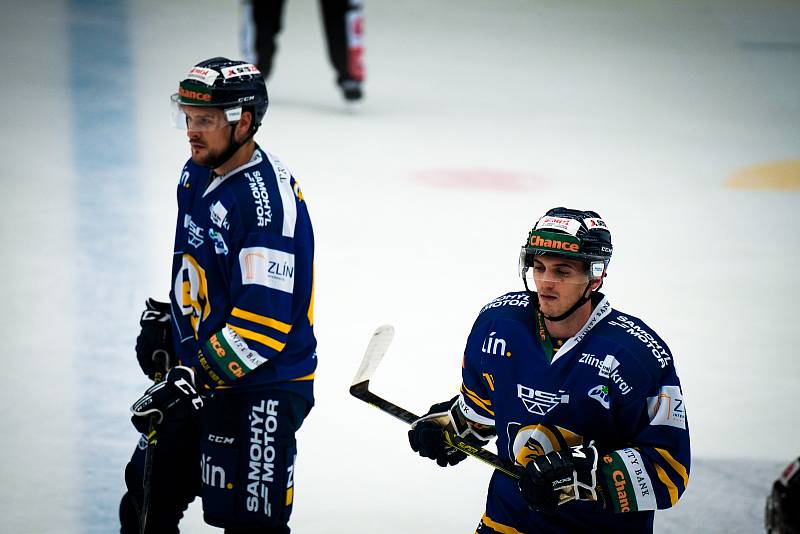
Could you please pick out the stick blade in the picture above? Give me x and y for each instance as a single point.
(378, 345)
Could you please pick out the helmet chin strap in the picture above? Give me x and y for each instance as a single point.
(585, 297)
(580, 302)
(233, 146)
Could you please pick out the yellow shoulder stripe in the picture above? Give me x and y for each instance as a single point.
(675, 464)
(261, 319)
(261, 338)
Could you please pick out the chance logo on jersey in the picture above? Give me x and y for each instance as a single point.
(267, 267)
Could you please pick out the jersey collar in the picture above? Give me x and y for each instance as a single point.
(602, 309)
(255, 159)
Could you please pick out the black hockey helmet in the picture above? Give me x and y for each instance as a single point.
(574, 234)
(228, 84)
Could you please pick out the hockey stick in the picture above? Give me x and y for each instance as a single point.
(360, 389)
(161, 361)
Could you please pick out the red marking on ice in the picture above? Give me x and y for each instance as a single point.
(478, 178)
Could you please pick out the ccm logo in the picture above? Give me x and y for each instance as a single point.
(220, 439)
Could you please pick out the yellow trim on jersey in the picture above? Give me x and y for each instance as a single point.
(482, 403)
(675, 464)
(489, 380)
(550, 435)
(282, 327)
(311, 301)
(673, 490)
(499, 527)
(473, 394)
(255, 336)
(306, 377)
(289, 496)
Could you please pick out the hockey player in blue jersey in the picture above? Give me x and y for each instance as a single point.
(583, 399)
(239, 323)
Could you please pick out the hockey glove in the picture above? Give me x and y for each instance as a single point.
(154, 347)
(175, 398)
(560, 476)
(427, 433)
(782, 513)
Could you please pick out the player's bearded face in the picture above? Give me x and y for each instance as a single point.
(559, 282)
(208, 133)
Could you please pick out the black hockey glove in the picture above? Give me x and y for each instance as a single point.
(427, 433)
(782, 513)
(560, 476)
(175, 397)
(154, 347)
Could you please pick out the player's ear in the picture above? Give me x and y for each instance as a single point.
(597, 283)
(244, 124)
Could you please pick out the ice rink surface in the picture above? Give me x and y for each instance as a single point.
(678, 121)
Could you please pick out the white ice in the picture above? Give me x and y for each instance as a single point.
(479, 116)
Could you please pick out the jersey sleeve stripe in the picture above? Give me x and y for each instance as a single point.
(311, 300)
(480, 403)
(474, 395)
(489, 380)
(671, 487)
(499, 527)
(280, 326)
(287, 195)
(680, 469)
(309, 376)
(261, 338)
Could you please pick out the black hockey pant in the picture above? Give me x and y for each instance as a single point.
(268, 17)
(240, 458)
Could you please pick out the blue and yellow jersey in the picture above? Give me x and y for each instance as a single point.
(613, 383)
(243, 277)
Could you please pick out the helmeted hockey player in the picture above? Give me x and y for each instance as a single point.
(239, 322)
(584, 399)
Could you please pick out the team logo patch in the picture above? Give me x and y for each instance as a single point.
(267, 267)
(600, 394)
(219, 243)
(541, 402)
(219, 214)
(667, 408)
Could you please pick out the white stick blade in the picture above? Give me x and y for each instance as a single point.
(375, 350)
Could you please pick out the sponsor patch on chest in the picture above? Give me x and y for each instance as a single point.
(540, 402)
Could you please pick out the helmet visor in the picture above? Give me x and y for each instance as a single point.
(537, 267)
(201, 118)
